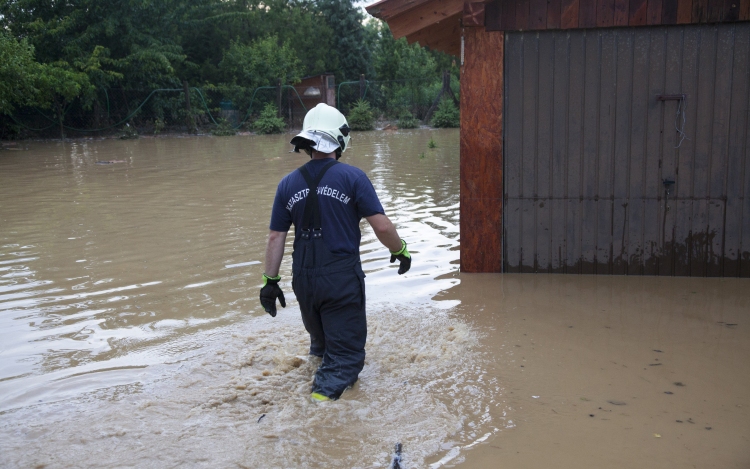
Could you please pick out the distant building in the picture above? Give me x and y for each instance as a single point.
(598, 136)
(312, 91)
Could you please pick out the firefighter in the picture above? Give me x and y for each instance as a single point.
(325, 200)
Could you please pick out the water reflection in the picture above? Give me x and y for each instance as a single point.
(130, 328)
(148, 268)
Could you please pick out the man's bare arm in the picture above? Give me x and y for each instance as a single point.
(274, 252)
(385, 231)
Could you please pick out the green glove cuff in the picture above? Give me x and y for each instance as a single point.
(403, 250)
(266, 278)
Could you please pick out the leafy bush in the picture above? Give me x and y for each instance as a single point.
(158, 125)
(407, 121)
(432, 143)
(224, 129)
(268, 122)
(446, 115)
(260, 63)
(128, 132)
(361, 116)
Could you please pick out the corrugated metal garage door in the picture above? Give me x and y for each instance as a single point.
(591, 151)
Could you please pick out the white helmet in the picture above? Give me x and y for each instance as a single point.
(325, 130)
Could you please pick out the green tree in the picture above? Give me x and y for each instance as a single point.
(414, 70)
(18, 74)
(60, 84)
(137, 37)
(261, 63)
(350, 56)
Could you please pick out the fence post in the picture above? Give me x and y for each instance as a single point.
(445, 89)
(447, 86)
(97, 111)
(278, 97)
(362, 86)
(289, 105)
(190, 122)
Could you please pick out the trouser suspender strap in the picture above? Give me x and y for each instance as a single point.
(311, 217)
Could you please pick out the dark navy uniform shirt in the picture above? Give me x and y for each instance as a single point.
(345, 195)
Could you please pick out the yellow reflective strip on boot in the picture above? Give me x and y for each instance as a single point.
(319, 397)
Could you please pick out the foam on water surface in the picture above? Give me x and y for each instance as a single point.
(154, 352)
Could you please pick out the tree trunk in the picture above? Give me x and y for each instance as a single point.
(60, 116)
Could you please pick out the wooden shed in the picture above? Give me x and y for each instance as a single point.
(598, 136)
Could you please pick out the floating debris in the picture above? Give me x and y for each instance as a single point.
(241, 264)
(617, 402)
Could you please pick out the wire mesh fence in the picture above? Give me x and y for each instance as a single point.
(393, 98)
(130, 112)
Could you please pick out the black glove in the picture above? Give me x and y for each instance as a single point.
(404, 257)
(269, 292)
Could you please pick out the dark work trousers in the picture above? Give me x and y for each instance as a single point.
(331, 294)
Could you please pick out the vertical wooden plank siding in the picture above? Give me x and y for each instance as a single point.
(669, 11)
(622, 154)
(700, 11)
(702, 158)
(587, 14)
(606, 145)
(684, 191)
(554, 12)
(669, 159)
(538, 14)
(636, 187)
(522, 14)
(482, 151)
(745, 201)
(559, 170)
(575, 193)
(529, 169)
(590, 156)
(605, 13)
(684, 11)
(653, 12)
(569, 14)
(544, 158)
(525, 15)
(588, 148)
(653, 187)
(638, 12)
(622, 10)
(715, 11)
(737, 156)
(509, 16)
(719, 148)
(514, 66)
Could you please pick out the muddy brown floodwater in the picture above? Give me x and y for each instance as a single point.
(131, 334)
